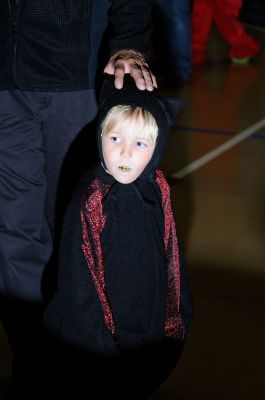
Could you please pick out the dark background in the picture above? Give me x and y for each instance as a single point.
(253, 13)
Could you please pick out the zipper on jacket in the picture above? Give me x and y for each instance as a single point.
(14, 12)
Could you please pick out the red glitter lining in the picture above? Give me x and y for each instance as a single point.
(93, 222)
(174, 328)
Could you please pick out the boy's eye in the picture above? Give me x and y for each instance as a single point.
(116, 139)
(141, 144)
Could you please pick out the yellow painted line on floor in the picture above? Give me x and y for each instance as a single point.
(193, 166)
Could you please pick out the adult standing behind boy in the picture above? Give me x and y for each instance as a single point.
(49, 52)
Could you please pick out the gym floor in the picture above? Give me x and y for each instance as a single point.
(220, 212)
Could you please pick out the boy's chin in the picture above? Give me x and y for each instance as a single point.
(125, 180)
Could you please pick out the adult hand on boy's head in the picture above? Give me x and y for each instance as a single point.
(133, 63)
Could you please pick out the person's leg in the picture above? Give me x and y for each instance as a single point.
(226, 19)
(173, 30)
(68, 138)
(25, 237)
(35, 136)
(201, 20)
(36, 133)
(25, 241)
(70, 143)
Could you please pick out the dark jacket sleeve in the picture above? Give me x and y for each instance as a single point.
(130, 25)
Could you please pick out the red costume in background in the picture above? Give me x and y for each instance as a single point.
(224, 13)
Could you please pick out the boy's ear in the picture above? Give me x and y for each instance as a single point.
(171, 106)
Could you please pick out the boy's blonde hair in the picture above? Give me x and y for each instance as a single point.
(143, 121)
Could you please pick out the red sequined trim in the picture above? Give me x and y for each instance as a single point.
(174, 328)
(93, 222)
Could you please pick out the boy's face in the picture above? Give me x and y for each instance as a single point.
(126, 153)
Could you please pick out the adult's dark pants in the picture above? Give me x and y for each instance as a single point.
(38, 132)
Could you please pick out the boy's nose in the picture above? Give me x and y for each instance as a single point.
(126, 151)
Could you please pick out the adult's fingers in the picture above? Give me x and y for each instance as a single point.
(119, 72)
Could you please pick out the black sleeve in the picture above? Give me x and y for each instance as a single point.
(130, 25)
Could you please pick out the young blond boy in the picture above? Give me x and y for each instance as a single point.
(123, 307)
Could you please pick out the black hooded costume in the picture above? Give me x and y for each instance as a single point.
(123, 305)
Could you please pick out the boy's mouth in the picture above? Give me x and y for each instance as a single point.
(124, 168)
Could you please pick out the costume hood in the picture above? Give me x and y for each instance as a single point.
(163, 110)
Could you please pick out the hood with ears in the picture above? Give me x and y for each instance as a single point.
(163, 110)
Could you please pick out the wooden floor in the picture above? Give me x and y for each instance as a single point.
(220, 212)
